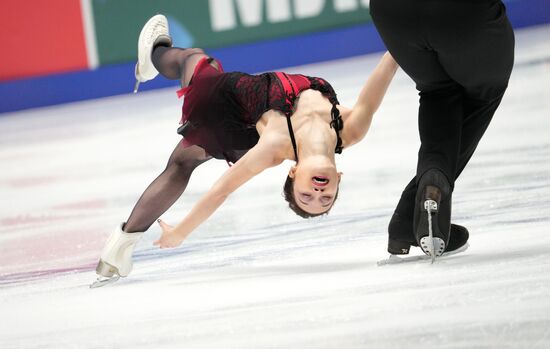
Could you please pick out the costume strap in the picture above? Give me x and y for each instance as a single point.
(337, 124)
(292, 138)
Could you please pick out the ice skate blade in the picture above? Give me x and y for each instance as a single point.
(136, 86)
(103, 281)
(138, 81)
(433, 247)
(394, 259)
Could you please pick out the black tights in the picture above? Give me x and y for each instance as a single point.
(160, 195)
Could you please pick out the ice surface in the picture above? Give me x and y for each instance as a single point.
(255, 275)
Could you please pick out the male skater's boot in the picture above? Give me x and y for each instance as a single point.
(116, 258)
(401, 236)
(432, 213)
(155, 32)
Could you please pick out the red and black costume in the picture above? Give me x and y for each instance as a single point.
(220, 110)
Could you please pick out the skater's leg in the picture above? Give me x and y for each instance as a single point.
(440, 126)
(484, 70)
(478, 116)
(400, 229)
(405, 206)
(156, 55)
(484, 85)
(440, 118)
(177, 63)
(480, 59)
(440, 113)
(475, 125)
(473, 44)
(166, 188)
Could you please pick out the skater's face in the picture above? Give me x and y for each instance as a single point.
(315, 187)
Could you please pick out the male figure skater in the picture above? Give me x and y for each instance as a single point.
(460, 54)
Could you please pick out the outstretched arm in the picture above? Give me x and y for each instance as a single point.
(253, 162)
(358, 120)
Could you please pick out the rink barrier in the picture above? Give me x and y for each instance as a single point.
(119, 79)
(215, 24)
(273, 54)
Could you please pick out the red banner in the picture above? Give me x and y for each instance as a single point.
(39, 37)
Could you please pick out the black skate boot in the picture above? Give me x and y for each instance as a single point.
(432, 213)
(401, 236)
(458, 237)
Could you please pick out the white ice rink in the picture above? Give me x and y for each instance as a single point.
(255, 275)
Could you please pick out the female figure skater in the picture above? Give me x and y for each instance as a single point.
(259, 120)
(460, 55)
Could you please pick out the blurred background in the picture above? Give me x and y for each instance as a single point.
(57, 51)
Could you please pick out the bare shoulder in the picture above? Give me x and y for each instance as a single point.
(273, 146)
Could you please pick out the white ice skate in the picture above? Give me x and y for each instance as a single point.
(116, 258)
(154, 32)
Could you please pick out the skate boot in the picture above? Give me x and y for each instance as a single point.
(433, 213)
(401, 236)
(116, 258)
(458, 238)
(154, 32)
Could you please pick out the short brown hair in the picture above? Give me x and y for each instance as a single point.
(288, 193)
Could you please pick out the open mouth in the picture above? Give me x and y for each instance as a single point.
(319, 181)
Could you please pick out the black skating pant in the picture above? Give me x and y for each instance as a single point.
(460, 55)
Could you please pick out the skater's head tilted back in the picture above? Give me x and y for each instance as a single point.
(311, 187)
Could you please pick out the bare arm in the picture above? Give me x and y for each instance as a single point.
(253, 162)
(359, 119)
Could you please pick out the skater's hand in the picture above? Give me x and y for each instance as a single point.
(169, 237)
